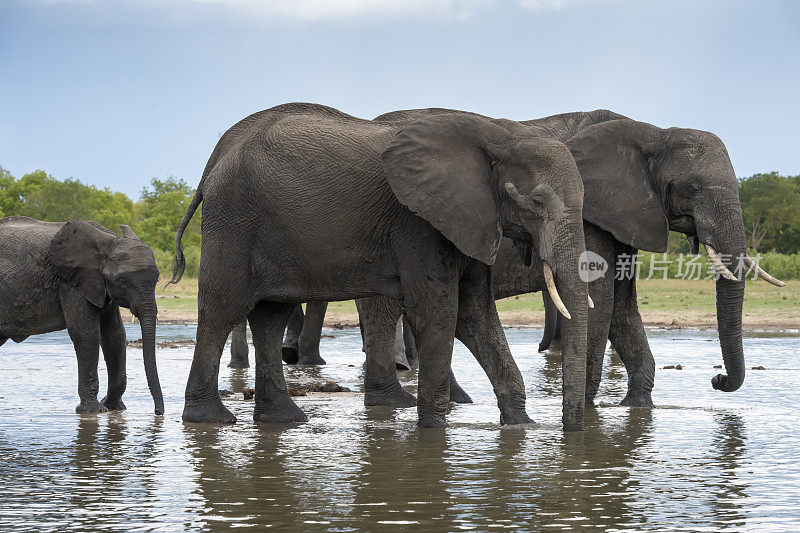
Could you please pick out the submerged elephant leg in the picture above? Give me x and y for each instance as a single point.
(84, 331)
(215, 322)
(202, 401)
(239, 348)
(599, 320)
(378, 316)
(434, 328)
(273, 403)
(308, 341)
(628, 337)
(479, 328)
(293, 330)
(112, 340)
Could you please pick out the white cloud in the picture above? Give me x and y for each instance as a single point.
(340, 9)
(534, 5)
(313, 10)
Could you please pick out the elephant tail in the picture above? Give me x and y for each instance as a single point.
(179, 261)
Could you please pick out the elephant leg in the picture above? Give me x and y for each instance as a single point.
(599, 320)
(84, 330)
(202, 401)
(479, 328)
(112, 341)
(435, 329)
(293, 330)
(273, 403)
(379, 318)
(308, 341)
(215, 322)
(239, 348)
(629, 339)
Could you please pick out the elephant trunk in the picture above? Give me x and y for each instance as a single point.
(730, 243)
(574, 294)
(147, 318)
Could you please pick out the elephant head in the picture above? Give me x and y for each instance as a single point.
(104, 267)
(642, 181)
(475, 180)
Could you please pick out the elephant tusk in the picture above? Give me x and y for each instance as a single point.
(721, 269)
(761, 273)
(551, 288)
(591, 303)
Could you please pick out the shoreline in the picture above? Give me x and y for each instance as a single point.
(692, 320)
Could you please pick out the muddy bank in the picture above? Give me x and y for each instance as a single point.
(295, 390)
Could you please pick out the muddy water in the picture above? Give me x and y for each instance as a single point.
(702, 459)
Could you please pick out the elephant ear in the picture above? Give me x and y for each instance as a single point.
(616, 159)
(440, 168)
(76, 256)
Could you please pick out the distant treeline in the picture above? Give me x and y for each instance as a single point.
(770, 205)
(154, 217)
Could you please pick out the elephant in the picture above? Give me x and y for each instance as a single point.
(303, 202)
(76, 275)
(663, 179)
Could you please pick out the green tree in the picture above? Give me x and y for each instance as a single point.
(770, 208)
(163, 206)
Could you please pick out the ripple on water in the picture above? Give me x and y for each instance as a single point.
(700, 460)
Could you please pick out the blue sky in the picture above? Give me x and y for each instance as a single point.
(116, 92)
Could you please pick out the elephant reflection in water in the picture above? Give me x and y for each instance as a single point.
(99, 479)
(727, 449)
(260, 490)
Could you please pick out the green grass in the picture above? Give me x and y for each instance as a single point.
(658, 300)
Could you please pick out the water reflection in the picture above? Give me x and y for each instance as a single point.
(728, 447)
(703, 460)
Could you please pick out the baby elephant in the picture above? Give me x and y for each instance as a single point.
(76, 275)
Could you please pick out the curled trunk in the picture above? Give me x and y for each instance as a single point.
(730, 243)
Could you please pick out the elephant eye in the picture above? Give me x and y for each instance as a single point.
(537, 202)
(122, 281)
(694, 187)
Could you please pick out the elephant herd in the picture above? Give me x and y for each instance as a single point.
(425, 217)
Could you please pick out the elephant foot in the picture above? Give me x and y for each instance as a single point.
(310, 359)
(239, 363)
(458, 395)
(641, 399)
(431, 418)
(515, 418)
(280, 409)
(289, 354)
(210, 412)
(90, 407)
(113, 404)
(394, 396)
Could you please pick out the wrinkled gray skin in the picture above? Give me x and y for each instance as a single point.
(76, 275)
(303, 203)
(639, 182)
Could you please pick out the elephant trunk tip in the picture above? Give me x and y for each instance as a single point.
(723, 383)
